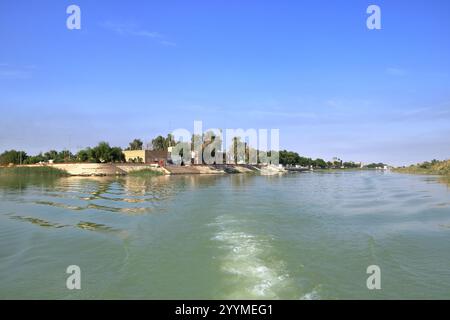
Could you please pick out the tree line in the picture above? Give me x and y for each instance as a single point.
(103, 153)
(290, 158)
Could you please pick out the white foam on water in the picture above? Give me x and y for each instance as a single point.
(250, 268)
(313, 295)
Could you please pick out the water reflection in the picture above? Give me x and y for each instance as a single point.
(36, 221)
(19, 183)
(446, 180)
(85, 225)
(127, 195)
(124, 195)
(94, 226)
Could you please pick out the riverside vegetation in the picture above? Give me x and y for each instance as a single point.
(31, 171)
(429, 167)
(145, 173)
(104, 153)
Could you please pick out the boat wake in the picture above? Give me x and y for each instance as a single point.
(252, 271)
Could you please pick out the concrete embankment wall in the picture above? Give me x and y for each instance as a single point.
(209, 169)
(100, 169)
(129, 167)
(88, 169)
(111, 169)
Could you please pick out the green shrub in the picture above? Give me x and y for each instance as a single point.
(32, 171)
(145, 173)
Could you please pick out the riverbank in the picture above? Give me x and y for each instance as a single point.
(434, 168)
(146, 170)
(32, 171)
(121, 169)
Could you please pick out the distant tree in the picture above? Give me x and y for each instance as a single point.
(337, 163)
(65, 156)
(375, 165)
(159, 143)
(84, 155)
(35, 159)
(136, 144)
(170, 141)
(425, 165)
(51, 155)
(13, 156)
(350, 165)
(304, 162)
(116, 155)
(102, 152)
(319, 163)
(238, 149)
(210, 138)
(196, 140)
(293, 158)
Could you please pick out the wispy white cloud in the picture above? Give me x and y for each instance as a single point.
(425, 114)
(168, 43)
(132, 29)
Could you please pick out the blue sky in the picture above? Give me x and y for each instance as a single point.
(309, 68)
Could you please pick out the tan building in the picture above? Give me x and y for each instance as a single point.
(146, 156)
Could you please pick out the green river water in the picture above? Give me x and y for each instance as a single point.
(296, 236)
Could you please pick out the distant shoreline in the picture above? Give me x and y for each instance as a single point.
(434, 167)
(121, 169)
(145, 170)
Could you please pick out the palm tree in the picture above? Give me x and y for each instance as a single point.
(136, 144)
(159, 143)
(170, 141)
